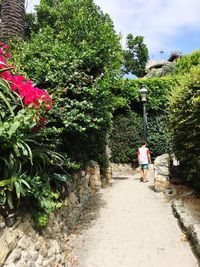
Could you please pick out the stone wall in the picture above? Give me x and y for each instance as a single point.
(23, 246)
(162, 165)
(119, 170)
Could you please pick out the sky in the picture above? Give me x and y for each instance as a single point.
(166, 25)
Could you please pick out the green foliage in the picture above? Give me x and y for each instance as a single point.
(127, 134)
(128, 124)
(15, 122)
(127, 91)
(30, 24)
(90, 144)
(14, 182)
(159, 139)
(185, 124)
(125, 138)
(26, 154)
(184, 64)
(77, 65)
(41, 219)
(41, 192)
(135, 56)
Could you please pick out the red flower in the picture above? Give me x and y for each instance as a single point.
(9, 55)
(25, 88)
(35, 95)
(3, 62)
(7, 76)
(17, 82)
(6, 46)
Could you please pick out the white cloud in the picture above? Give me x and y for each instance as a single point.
(159, 21)
(30, 4)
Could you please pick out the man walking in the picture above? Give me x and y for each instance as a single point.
(144, 159)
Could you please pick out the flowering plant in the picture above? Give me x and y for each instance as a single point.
(31, 95)
(22, 156)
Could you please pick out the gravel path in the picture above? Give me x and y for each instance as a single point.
(134, 227)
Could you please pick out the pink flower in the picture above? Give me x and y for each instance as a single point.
(35, 95)
(6, 46)
(7, 76)
(17, 82)
(3, 62)
(9, 55)
(25, 88)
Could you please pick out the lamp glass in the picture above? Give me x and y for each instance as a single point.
(143, 92)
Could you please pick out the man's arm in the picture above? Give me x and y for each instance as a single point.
(149, 156)
(138, 156)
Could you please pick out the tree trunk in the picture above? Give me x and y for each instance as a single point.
(12, 18)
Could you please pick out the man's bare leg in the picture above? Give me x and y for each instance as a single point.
(144, 175)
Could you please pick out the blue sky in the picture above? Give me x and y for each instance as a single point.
(165, 24)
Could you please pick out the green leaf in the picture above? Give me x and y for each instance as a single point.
(61, 177)
(7, 103)
(5, 69)
(17, 188)
(10, 200)
(14, 127)
(5, 182)
(25, 183)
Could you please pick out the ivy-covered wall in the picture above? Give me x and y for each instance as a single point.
(128, 118)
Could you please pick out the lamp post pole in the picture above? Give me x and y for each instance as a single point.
(144, 92)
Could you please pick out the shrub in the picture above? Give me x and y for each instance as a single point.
(125, 138)
(23, 154)
(185, 124)
(127, 134)
(77, 65)
(184, 64)
(159, 139)
(158, 91)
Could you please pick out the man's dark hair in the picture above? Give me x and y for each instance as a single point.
(143, 142)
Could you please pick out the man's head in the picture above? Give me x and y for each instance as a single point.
(143, 142)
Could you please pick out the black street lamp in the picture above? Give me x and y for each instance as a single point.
(143, 91)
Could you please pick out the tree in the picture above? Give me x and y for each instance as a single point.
(75, 54)
(12, 18)
(136, 56)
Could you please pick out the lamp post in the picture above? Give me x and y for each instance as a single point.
(143, 91)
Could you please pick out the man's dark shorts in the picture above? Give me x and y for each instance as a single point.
(144, 166)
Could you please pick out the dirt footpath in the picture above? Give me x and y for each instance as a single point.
(133, 227)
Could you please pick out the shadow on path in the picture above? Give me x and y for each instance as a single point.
(120, 178)
(90, 213)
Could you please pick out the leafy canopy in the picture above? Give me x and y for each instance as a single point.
(135, 56)
(75, 54)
